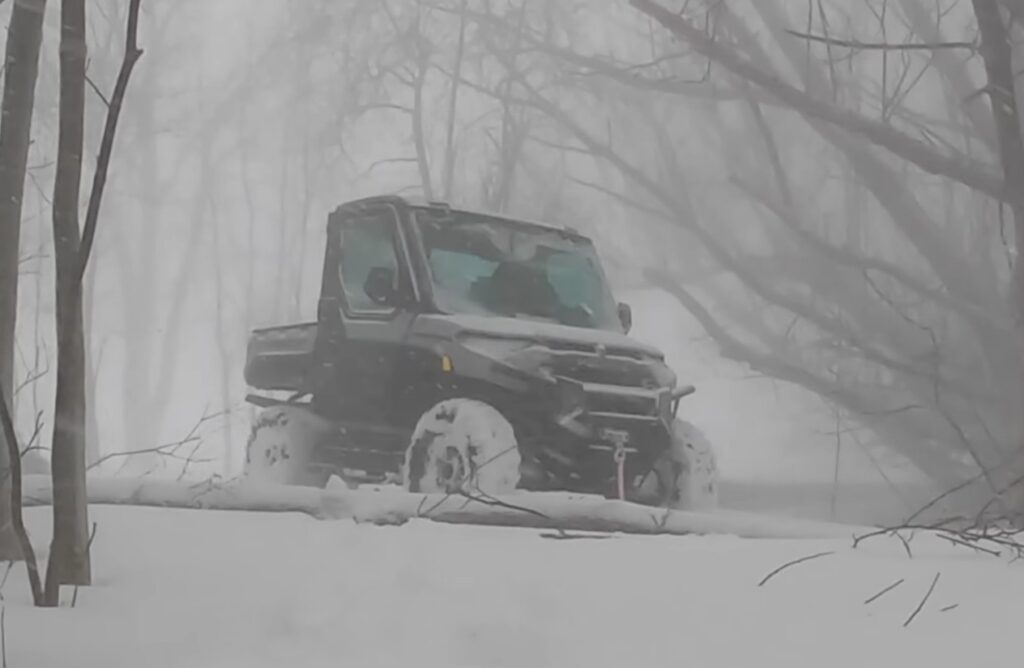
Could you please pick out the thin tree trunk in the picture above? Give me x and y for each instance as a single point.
(15, 498)
(997, 52)
(69, 561)
(69, 556)
(418, 132)
(453, 105)
(24, 38)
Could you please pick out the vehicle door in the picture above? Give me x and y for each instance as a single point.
(368, 265)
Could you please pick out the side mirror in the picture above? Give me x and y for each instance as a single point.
(380, 286)
(626, 316)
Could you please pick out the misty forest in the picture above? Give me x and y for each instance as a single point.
(476, 325)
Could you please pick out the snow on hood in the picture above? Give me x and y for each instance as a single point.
(532, 329)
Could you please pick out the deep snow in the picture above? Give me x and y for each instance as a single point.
(224, 589)
(248, 590)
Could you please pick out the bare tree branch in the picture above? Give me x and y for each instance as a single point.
(972, 173)
(882, 46)
(132, 53)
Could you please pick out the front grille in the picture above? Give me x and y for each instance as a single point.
(627, 405)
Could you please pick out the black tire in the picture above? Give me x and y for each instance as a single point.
(462, 445)
(281, 445)
(685, 477)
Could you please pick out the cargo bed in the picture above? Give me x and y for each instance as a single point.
(278, 358)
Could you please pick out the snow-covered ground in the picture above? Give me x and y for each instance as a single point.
(242, 589)
(222, 590)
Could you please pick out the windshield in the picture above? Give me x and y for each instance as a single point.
(486, 266)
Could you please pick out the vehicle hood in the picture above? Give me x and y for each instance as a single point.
(452, 326)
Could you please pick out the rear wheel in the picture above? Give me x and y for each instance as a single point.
(281, 445)
(462, 445)
(685, 477)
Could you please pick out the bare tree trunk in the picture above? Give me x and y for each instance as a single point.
(453, 106)
(69, 556)
(418, 132)
(69, 561)
(997, 52)
(24, 38)
(92, 427)
(15, 498)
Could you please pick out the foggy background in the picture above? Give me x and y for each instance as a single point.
(816, 288)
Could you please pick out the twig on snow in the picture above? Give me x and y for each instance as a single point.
(792, 563)
(421, 513)
(924, 600)
(883, 592)
(659, 523)
(488, 500)
(888, 531)
(988, 539)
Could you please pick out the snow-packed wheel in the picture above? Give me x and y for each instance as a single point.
(281, 445)
(685, 477)
(462, 445)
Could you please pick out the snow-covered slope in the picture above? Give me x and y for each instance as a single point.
(205, 589)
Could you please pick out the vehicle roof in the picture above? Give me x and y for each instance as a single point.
(420, 202)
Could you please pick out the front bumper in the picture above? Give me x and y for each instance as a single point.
(601, 412)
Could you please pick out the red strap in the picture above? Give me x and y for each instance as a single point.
(620, 460)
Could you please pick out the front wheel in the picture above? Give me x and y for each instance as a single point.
(281, 446)
(462, 445)
(684, 477)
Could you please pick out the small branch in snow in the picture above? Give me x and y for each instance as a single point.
(426, 513)
(498, 503)
(977, 548)
(167, 450)
(993, 540)
(924, 600)
(885, 591)
(792, 563)
(659, 522)
(889, 531)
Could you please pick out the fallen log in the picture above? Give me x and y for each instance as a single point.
(548, 510)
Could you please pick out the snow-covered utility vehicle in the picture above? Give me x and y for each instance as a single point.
(459, 351)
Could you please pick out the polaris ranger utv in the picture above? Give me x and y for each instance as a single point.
(461, 351)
